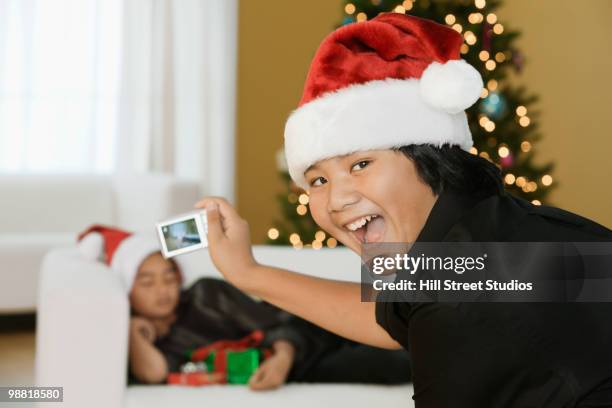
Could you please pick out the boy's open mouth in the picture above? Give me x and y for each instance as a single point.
(368, 228)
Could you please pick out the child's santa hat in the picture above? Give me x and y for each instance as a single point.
(392, 81)
(121, 250)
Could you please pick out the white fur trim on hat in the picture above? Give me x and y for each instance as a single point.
(132, 251)
(378, 114)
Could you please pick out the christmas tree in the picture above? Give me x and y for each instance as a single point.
(502, 122)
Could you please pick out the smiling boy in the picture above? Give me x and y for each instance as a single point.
(381, 142)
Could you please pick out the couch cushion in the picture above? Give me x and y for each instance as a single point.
(292, 395)
(54, 203)
(337, 263)
(141, 200)
(21, 256)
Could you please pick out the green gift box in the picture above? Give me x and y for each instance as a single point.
(240, 364)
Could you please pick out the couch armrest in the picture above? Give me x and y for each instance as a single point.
(143, 199)
(22, 256)
(82, 331)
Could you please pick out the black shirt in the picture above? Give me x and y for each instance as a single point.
(505, 354)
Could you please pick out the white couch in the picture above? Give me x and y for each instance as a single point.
(82, 337)
(41, 212)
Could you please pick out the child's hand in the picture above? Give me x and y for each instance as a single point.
(229, 242)
(140, 326)
(273, 372)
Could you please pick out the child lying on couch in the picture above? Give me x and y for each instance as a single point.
(167, 322)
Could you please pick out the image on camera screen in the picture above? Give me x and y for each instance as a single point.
(181, 234)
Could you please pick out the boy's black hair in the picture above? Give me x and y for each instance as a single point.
(452, 168)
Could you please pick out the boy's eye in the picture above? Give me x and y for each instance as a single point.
(360, 165)
(318, 181)
(170, 279)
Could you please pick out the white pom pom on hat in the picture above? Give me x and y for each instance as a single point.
(91, 246)
(452, 86)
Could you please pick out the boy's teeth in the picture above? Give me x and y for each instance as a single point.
(360, 222)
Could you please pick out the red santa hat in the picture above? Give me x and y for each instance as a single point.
(392, 81)
(121, 250)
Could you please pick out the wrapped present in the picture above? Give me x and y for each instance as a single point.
(193, 378)
(225, 361)
(237, 365)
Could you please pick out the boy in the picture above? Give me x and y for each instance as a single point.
(380, 141)
(167, 321)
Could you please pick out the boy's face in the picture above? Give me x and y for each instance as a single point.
(156, 288)
(383, 184)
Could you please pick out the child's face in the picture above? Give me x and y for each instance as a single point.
(383, 183)
(156, 288)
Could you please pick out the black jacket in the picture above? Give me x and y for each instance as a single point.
(505, 354)
(212, 309)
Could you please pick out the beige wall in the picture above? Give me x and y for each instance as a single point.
(569, 51)
(569, 65)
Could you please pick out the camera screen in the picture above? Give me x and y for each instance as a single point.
(181, 234)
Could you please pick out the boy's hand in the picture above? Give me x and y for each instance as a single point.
(140, 326)
(229, 242)
(273, 372)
